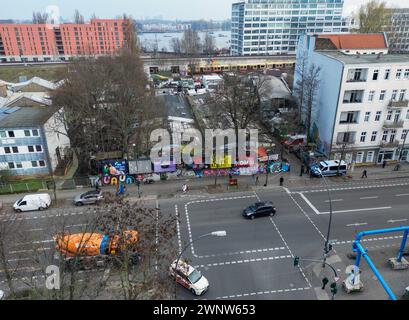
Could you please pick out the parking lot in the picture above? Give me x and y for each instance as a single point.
(253, 261)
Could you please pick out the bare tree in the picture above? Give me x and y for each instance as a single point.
(190, 46)
(209, 44)
(78, 18)
(373, 16)
(40, 18)
(176, 46)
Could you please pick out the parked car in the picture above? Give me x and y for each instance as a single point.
(90, 197)
(329, 168)
(291, 142)
(189, 277)
(259, 209)
(32, 202)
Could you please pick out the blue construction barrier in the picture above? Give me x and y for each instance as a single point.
(361, 251)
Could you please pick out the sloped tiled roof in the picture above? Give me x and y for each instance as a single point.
(354, 41)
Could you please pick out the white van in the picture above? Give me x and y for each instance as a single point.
(32, 202)
(329, 168)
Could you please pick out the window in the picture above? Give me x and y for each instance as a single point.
(35, 133)
(398, 74)
(375, 75)
(378, 115)
(394, 94)
(389, 115)
(346, 137)
(392, 136)
(406, 74)
(349, 117)
(30, 149)
(387, 74)
(404, 133)
(367, 116)
(407, 115)
(385, 136)
(370, 156)
(39, 149)
(371, 95)
(397, 116)
(359, 157)
(11, 134)
(34, 164)
(11, 165)
(382, 95)
(3, 134)
(374, 135)
(7, 150)
(363, 136)
(402, 94)
(19, 165)
(41, 163)
(27, 133)
(15, 149)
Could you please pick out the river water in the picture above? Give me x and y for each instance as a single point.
(149, 40)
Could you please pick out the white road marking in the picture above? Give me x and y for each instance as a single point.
(357, 224)
(368, 240)
(399, 220)
(178, 228)
(366, 198)
(356, 210)
(402, 195)
(334, 200)
(262, 293)
(204, 201)
(309, 203)
(240, 252)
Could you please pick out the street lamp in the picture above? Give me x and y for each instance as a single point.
(221, 233)
(327, 248)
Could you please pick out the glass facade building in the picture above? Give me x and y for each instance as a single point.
(261, 27)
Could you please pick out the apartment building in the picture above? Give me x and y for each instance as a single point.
(398, 34)
(29, 142)
(47, 42)
(361, 109)
(261, 27)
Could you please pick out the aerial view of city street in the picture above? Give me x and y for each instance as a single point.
(216, 154)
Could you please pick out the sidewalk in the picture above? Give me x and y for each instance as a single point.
(172, 188)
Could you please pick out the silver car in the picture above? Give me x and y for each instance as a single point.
(90, 197)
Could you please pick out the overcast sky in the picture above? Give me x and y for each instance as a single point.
(167, 9)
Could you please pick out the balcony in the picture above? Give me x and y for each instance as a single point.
(356, 80)
(393, 124)
(386, 144)
(346, 143)
(398, 104)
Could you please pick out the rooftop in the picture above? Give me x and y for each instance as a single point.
(23, 117)
(351, 41)
(366, 58)
(36, 80)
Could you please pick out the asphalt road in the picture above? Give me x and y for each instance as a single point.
(255, 259)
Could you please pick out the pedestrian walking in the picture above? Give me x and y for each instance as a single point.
(302, 170)
(364, 174)
(257, 179)
(384, 164)
(281, 181)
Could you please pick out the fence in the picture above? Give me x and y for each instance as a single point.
(20, 187)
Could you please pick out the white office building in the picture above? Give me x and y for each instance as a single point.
(361, 107)
(261, 27)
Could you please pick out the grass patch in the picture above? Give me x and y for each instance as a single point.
(50, 72)
(21, 186)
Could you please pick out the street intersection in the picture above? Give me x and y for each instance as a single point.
(255, 259)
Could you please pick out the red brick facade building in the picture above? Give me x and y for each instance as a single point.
(45, 42)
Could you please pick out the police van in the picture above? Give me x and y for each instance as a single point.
(329, 168)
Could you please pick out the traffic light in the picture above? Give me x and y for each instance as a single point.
(296, 261)
(334, 288)
(324, 283)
